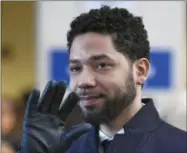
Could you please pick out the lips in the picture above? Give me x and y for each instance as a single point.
(89, 100)
(89, 97)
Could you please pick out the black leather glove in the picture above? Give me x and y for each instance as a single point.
(44, 121)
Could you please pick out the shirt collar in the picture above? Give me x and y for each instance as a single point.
(103, 136)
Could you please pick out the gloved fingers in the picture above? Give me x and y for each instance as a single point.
(76, 129)
(72, 135)
(68, 106)
(47, 96)
(57, 98)
(31, 107)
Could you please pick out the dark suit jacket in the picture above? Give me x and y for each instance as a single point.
(146, 132)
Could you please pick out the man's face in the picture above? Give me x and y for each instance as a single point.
(101, 76)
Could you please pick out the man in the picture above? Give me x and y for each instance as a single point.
(109, 64)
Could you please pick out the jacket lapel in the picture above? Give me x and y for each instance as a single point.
(126, 143)
(92, 141)
(148, 144)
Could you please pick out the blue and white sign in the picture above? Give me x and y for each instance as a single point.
(160, 76)
(59, 65)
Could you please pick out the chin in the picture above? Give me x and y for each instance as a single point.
(93, 115)
(94, 119)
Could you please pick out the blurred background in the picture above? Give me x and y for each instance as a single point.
(33, 51)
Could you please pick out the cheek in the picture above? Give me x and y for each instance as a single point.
(111, 76)
(111, 82)
(73, 82)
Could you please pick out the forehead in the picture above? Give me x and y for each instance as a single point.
(90, 44)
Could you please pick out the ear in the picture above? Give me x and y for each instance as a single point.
(142, 67)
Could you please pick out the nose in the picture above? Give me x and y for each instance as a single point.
(86, 79)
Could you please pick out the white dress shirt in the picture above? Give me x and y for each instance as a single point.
(103, 136)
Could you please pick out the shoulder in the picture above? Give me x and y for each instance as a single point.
(171, 131)
(171, 137)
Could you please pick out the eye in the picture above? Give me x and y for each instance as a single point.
(75, 68)
(103, 65)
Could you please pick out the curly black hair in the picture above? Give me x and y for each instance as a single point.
(127, 31)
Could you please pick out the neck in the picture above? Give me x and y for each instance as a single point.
(114, 126)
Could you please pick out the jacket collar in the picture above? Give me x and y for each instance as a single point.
(145, 120)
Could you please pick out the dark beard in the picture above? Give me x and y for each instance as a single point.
(113, 105)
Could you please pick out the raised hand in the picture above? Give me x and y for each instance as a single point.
(44, 121)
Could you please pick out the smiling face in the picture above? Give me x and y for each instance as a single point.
(101, 76)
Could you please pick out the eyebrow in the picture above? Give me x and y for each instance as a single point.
(93, 57)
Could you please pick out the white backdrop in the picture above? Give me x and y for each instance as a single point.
(164, 20)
